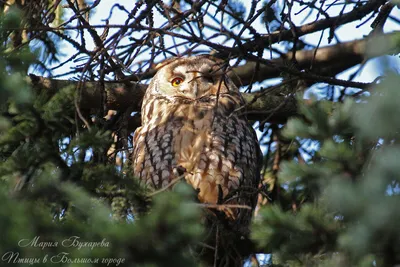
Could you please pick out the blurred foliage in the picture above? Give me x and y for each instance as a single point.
(59, 206)
(270, 16)
(331, 186)
(345, 198)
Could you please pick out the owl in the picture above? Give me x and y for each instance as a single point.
(193, 128)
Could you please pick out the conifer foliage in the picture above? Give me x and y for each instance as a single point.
(340, 206)
(330, 179)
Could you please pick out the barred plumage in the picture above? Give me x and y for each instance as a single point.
(191, 126)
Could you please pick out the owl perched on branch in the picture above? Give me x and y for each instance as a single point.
(192, 128)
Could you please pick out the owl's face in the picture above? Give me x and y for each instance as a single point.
(191, 77)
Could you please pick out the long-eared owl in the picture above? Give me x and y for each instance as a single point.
(193, 126)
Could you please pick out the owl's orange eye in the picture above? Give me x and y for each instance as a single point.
(176, 81)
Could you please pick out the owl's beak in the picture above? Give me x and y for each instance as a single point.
(191, 91)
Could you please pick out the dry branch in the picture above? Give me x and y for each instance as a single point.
(332, 22)
(328, 60)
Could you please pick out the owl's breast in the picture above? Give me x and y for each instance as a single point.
(215, 148)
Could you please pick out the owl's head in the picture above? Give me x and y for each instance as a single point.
(191, 77)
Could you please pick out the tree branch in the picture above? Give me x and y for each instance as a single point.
(274, 37)
(339, 57)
